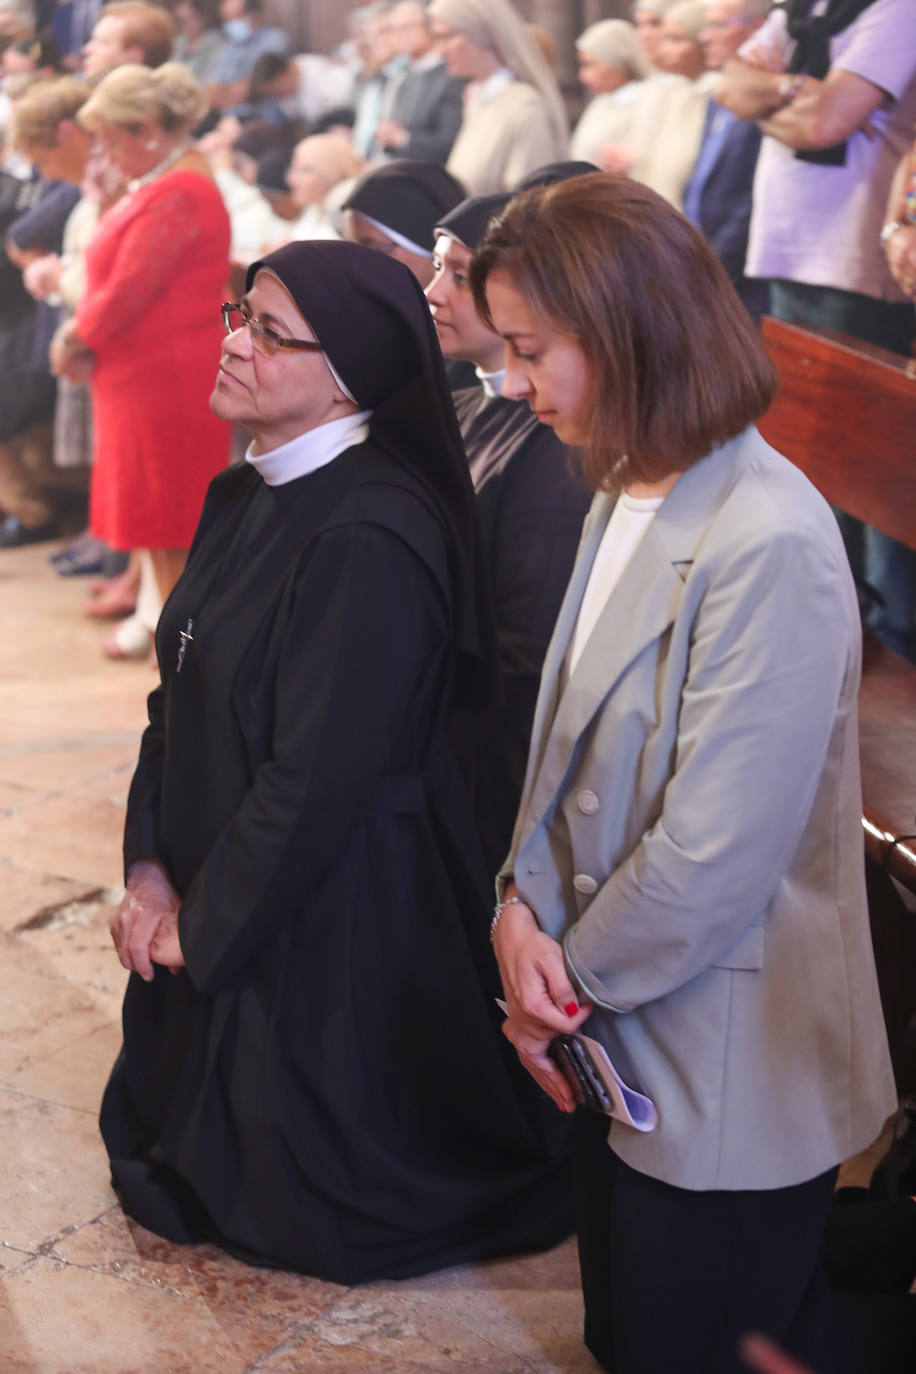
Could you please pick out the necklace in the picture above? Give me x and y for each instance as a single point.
(168, 161)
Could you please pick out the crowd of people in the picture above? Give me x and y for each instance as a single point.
(503, 587)
(785, 138)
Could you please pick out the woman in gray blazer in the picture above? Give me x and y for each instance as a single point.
(686, 870)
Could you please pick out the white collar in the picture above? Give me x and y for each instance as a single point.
(310, 451)
(427, 63)
(401, 239)
(488, 90)
(492, 382)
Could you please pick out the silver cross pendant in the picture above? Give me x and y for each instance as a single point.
(184, 639)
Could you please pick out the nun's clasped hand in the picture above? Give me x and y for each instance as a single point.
(147, 916)
(541, 999)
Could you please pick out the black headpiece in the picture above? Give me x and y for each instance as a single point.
(468, 221)
(552, 172)
(407, 196)
(374, 325)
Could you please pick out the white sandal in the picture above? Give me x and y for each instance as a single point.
(131, 640)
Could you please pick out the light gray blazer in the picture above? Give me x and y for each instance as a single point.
(690, 828)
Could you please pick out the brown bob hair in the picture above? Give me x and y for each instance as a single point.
(677, 367)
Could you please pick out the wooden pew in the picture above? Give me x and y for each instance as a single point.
(846, 415)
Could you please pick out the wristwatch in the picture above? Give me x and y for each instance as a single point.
(888, 232)
(789, 86)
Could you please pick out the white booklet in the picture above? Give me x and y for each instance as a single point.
(609, 1094)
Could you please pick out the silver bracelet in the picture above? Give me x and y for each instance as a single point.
(498, 913)
(888, 232)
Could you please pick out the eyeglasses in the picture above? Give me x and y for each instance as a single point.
(264, 339)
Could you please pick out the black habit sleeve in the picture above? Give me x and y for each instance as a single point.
(141, 831)
(141, 828)
(366, 626)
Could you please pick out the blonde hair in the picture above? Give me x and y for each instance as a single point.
(45, 105)
(690, 16)
(132, 95)
(615, 42)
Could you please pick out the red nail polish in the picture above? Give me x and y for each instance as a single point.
(571, 1008)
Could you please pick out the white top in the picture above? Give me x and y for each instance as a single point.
(630, 519)
(325, 84)
(606, 119)
(313, 223)
(492, 382)
(481, 93)
(254, 225)
(310, 451)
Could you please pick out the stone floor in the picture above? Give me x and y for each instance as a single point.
(82, 1290)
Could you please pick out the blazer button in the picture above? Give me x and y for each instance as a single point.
(587, 802)
(585, 884)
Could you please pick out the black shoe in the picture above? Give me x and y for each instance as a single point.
(86, 556)
(13, 533)
(74, 550)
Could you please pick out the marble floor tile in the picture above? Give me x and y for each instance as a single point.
(58, 1319)
(256, 1309)
(15, 797)
(87, 961)
(493, 1330)
(41, 1014)
(53, 1170)
(111, 787)
(24, 893)
(59, 768)
(107, 704)
(12, 1259)
(70, 836)
(74, 1076)
(305, 1356)
(114, 1244)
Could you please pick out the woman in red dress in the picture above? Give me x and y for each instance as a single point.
(148, 330)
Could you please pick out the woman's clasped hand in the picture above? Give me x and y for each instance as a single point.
(540, 996)
(145, 929)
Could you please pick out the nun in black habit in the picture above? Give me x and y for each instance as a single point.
(323, 1085)
(531, 508)
(394, 209)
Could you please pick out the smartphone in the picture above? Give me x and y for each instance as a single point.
(581, 1072)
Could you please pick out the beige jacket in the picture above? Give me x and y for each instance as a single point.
(503, 140)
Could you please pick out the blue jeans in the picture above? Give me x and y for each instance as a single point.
(876, 559)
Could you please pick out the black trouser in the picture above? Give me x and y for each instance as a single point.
(672, 1279)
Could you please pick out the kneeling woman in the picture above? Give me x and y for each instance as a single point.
(321, 1085)
(687, 863)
